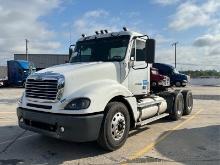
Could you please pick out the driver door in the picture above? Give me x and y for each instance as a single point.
(139, 75)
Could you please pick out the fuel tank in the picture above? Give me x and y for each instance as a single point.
(151, 106)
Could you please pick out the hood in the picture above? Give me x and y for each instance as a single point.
(181, 76)
(77, 75)
(64, 68)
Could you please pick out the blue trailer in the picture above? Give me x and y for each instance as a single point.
(18, 71)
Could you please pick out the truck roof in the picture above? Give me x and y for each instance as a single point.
(110, 34)
(24, 64)
(162, 64)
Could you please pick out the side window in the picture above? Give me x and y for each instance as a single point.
(140, 46)
(117, 53)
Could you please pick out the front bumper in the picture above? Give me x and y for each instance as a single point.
(77, 128)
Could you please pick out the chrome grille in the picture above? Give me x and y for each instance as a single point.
(41, 89)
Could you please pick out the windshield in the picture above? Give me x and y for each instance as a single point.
(23, 64)
(176, 71)
(103, 49)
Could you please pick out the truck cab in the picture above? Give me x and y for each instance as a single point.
(101, 94)
(158, 80)
(176, 78)
(18, 71)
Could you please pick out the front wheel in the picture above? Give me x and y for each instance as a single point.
(154, 84)
(178, 84)
(115, 126)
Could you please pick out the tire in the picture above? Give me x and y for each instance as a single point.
(116, 120)
(178, 84)
(178, 107)
(188, 102)
(154, 84)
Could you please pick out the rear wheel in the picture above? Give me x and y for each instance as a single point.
(178, 84)
(115, 127)
(188, 102)
(178, 107)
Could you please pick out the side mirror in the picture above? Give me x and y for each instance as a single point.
(150, 51)
(70, 51)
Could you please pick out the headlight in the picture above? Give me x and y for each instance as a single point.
(78, 104)
(21, 99)
(61, 83)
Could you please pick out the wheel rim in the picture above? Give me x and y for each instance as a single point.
(190, 101)
(154, 84)
(118, 126)
(179, 107)
(178, 84)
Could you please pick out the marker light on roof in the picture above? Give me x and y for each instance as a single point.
(125, 29)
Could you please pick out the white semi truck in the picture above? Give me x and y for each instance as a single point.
(101, 94)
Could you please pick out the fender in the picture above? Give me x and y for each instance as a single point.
(100, 93)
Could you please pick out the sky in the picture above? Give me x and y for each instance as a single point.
(51, 25)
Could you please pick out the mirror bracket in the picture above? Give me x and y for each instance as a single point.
(71, 51)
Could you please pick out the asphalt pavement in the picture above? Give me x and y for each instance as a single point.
(195, 139)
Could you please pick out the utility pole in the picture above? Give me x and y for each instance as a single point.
(174, 44)
(26, 43)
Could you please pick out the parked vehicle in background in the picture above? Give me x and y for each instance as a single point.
(158, 81)
(18, 71)
(176, 78)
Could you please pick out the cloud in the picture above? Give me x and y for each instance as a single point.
(93, 20)
(95, 13)
(189, 57)
(160, 39)
(207, 40)
(166, 2)
(20, 20)
(99, 19)
(191, 14)
(210, 43)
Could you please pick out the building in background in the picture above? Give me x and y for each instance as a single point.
(3, 71)
(42, 61)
